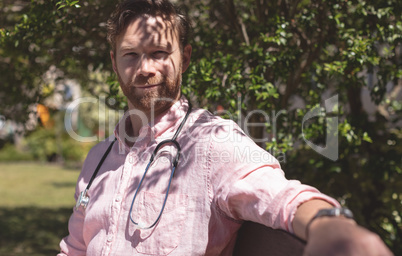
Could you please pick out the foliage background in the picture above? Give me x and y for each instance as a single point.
(272, 56)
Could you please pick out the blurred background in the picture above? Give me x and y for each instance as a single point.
(255, 61)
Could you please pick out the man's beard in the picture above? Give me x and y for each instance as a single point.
(157, 100)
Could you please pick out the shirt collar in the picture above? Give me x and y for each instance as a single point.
(162, 126)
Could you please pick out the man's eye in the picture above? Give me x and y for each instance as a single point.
(160, 54)
(131, 54)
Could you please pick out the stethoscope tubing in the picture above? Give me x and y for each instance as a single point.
(83, 199)
(175, 162)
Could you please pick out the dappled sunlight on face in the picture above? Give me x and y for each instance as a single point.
(148, 63)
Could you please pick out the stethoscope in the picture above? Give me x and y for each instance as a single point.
(83, 199)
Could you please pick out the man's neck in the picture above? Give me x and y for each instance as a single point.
(139, 119)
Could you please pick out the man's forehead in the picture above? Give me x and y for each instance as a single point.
(151, 26)
(155, 21)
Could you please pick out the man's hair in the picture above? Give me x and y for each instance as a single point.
(129, 10)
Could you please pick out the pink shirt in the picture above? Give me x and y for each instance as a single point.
(222, 178)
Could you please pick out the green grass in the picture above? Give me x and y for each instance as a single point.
(36, 201)
(39, 185)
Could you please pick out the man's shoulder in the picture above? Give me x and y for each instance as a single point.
(207, 119)
(204, 124)
(97, 151)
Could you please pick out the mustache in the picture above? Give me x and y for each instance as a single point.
(141, 80)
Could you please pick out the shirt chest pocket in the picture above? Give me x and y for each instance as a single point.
(165, 236)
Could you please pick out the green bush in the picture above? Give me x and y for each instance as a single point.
(47, 145)
(74, 151)
(9, 153)
(42, 144)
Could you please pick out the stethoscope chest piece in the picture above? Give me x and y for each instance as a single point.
(83, 200)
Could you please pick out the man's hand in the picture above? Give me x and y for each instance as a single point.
(332, 236)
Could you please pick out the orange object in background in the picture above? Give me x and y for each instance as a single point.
(44, 115)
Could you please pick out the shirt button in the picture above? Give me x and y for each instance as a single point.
(118, 199)
(110, 238)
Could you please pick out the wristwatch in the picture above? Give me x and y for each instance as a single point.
(334, 212)
(331, 212)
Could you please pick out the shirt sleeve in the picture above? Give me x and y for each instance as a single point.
(250, 184)
(265, 196)
(73, 244)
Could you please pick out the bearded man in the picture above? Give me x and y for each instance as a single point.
(173, 180)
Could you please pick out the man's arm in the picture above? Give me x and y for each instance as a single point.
(305, 212)
(334, 235)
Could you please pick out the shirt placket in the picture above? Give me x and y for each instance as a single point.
(132, 160)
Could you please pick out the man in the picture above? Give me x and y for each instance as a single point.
(180, 181)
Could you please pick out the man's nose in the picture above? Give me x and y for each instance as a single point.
(146, 66)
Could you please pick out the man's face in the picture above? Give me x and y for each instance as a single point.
(149, 64)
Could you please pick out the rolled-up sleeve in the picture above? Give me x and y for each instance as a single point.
(252, 186)
(267, 197)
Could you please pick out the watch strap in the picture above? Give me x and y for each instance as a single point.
(330, 212)
(334, 212)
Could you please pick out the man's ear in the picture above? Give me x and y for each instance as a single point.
(112, 57)
(186, 57)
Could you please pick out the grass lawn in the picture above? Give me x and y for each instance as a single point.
(36, 201)
(39, 185)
